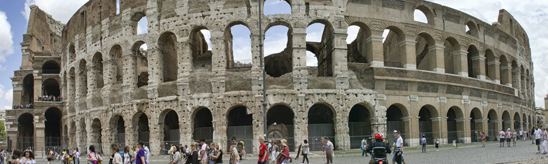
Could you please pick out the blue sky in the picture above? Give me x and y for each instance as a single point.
(531, 14)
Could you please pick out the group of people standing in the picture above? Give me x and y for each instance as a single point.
(541, 138)
(16, 157)
(508, 136)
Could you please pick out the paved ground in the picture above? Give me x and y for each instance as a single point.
(525, 152)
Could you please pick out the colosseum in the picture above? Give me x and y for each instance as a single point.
(448, 77)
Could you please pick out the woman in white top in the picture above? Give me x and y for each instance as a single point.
(28, 158)
(15, 157)
(306, 149)
(127, 155)
(117, 158)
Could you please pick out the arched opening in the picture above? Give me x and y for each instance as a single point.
(116, 58)
(525, 125)
(25, 131)
(425, 55)
(395, 115)
(238, 47)
(139, 23)
(28, 90)
(321, 122)
(170, 128)
(140, 53)
(278, 57)
(52, 130)
(83, 138)
(83, 74)
(140, 123)
(392, 47)
(319, 46)
(359, 125)
(357, 43)
(72, 53)
(455, 125)
(51, 67)
(492, 125)
(423, 14)
(451, 48)
(531, 123)
(476, 125)
(427, 116)
(203, 125)
(97, 66)
(96, 135)
(201, 48)
(504, 68)
(117, 125)
(419, 16)
(471, 28)
(168, 49)
(490, 65)
(506, 121)
(50, 87)
(280, 124)
(473, 62)
(515, 74)
(517, 122)
(240, 126)
(272, 7)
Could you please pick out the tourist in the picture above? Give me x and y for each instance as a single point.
(520, 133)
(147, 153)
(423, 143)
(112, 147)
(502, 136)
(15, 157)
(398, 148)
(93, 157)
(134, 149)
(176, 155)
(306, 149)
(64, 156)
(508, 136)
(379, 143)
(543, 137)
(76, 156)
(263, 151)
(514, 137)
(192, 158)
(28, 158)
(50, 155)
(284, 153)
(127, 155)
(212, 152)
(482, 139)
(241, 150)
(203, 151)
(273, 150)
(328, 146)
(538, 135)
(363, 147)
(116, 159)
(141, 154)
(437, 142)
(219, 157)
(234, 156)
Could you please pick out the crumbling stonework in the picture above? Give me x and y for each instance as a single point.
(466, 81)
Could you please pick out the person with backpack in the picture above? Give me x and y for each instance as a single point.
(93, 157)
(117, 159)
(502, 135)
(423, 143)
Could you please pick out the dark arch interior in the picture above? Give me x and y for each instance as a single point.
(171, 129)
(472, 67)
(51, 67)
(51, 88)
(517, 122)
(283, 117)
(320, 114)
(492, 125)
(425, 124)
(394, 121)
(25, 126)
(452, 133)
(142, 128)
(96, 135)
(168, 49)
(474, 129)
(203, 125)
(359, 124)
(28, 89)
(53, 127)
(505, 121)
(320, 124)
(120, 134)
(239, 117)
(240, 126)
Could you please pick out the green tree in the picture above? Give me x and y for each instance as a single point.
(2, 131)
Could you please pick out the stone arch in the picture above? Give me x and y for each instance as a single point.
(280, 63)
(492, 124)
(321, 123)
(201, 55)
(270, 9)
(117, 126)
(359, 49)
(140, 53)
(473, 59)
(169, 129)
(235, 60)
(202, 121)
(455, 124)
(428, 122)
(240, 125)
(476, 124)
(471, 28)
(96, 135)
(425, 59)
(359, 124)
(71, 53)
(322, 50)
(25, 131)
(504, 70)
(452, 47)
(397, 118)
(392, 51)
(280, 121)
(116, 56)
(139, 18)
(427, 13)
(51, 87)
(506, 120)
(51, 67)
(490, 65)
(28, 90)
(83, 80)
(141, 127)
(517, 122)
(97, 67)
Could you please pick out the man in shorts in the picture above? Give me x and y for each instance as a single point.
(502, 136)
(537, 134)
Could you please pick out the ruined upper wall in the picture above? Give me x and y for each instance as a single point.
(43, 37)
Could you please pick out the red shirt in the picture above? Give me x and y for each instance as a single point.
(262, 151)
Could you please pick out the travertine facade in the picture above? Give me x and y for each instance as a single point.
(448, 78)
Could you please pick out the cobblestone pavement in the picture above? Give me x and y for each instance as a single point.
(524, 152)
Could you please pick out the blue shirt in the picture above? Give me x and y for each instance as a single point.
(423, 140)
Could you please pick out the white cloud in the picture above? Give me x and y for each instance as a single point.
(61, 10)
(207, 36)
(6, 43)
(6, 98)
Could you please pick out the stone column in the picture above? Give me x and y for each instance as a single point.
(461, 62)
(106, 139)
(411, 126)
(39, 132)
(155, 69)
(37, 87)
(219, 61)
(91, 86)
(437, 125)
(496, 65)
(300, 71)
(478, 65)
(463, 130)
(375, 56)
(130, 132)
(258, 126)
(129, 75)
(437, 58)
(339, 56)
(342, 137)
(408, 54)
(301, 120)
(156, 131)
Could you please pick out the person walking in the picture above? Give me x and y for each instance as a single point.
(141, 154)
(284, 153)
(147, 153)
(76, 156)
(544, 137)
(192, 158)
(28, 158)
(514, 137)
(273, 151)
(212, 153)
(482, 139)
(305, 150)
(501, 138)
(219, 157)
(437, 144)
(176, 156)
(113, 147)
(234, 156)
(363, 147)
(203, 151)
(398, 150)
(127, 155)
(328, 146)
(50, 155)
(538, 135)
(263, 151)
(423, 143)
(116, 159)
(93, 157)
(15, 157)
(508, 136)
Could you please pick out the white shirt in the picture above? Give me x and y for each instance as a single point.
(204, 149)
(521, 132)
(538, 132)
(147, 152)
(501, 134)
(399, 142)
(76, 154)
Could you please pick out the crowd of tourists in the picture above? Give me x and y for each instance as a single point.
(28, 106)
(50, 98)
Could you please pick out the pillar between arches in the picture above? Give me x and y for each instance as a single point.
(408, 54)
(375, 54)
(437, 62)
(461, 64)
